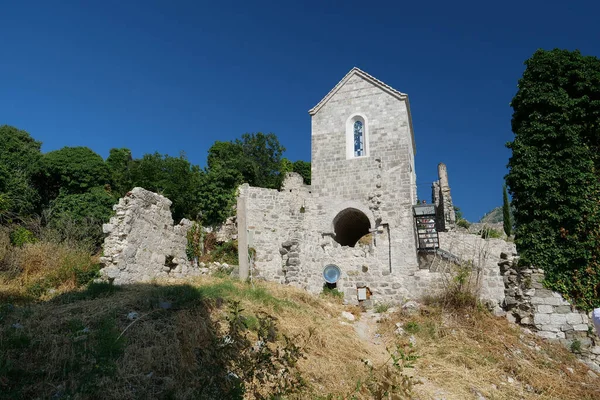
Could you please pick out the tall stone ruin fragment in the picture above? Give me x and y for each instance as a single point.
(445, 214)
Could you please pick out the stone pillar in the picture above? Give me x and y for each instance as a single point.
(242, 233)
(445, 215)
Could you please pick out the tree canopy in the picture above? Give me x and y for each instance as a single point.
(74, 188)
(19, 159)
(553, 171)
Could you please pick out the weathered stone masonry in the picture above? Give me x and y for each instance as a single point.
(547, 313)
(142, 242)
(363, 187)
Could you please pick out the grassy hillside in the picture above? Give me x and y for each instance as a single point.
(218, 338)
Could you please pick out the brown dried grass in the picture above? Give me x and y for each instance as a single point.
(459, 354)
(474, 352)
(48, 265)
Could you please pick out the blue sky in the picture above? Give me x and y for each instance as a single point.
(173, 76)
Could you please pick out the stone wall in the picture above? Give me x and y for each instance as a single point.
(545, 312)
(485, 255)
(142, 242)
(292, 234)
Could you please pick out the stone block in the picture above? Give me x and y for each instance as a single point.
(551, 328)
(566, 328)
(574, 318)
(558, 319)
(562, 309)
(547, 335)
(544, 309)
(580, 327)
(537, 300)
(539, 319)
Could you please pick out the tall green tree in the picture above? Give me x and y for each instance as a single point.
(173, 177)
(19, 159)
(255, 158)
(507, 220)
(119, 163)
(71, 170)
(553, 171)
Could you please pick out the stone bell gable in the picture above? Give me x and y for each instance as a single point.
(386, 159)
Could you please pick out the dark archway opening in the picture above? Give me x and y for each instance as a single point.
(349, 226)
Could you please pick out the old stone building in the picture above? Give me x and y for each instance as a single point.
(357, 214)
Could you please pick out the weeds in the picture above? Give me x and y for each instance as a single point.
(332, 293)
(382, 307)
(391, 381)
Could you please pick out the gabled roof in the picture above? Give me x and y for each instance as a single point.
(365, 76)
(376, 82)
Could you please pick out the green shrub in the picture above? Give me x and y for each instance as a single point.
(21, 236)
(490, 233)
(382, 307)
(575, 346)
(412, 327)
(463, 223)
(226, 253)
(332, 292)
(195, 239)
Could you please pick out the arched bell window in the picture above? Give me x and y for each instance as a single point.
(357, 137)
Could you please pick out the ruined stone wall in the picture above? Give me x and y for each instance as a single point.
(142, 242)
(545, 312)
(485, 255)
(291, 233)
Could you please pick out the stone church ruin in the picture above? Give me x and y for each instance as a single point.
(360, 213)
(358, 228)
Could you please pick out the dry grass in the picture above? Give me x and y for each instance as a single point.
(157, 355)
(35, 268)
(464, 354)
(160, 357)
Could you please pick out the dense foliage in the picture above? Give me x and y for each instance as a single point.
(72, 190)
(553, 177)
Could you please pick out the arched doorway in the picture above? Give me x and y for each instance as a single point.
(350, 225)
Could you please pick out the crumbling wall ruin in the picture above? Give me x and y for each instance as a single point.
(441, 198)
(142, 242)
(545, 312)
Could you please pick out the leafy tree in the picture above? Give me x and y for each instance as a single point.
(262, 159)
(19, 159)
(303, 168)
(217, 197)
(506, 212)
(118, 163)
(79, 217)
(255, 159)
(71, 170)
(553, 171)
(173, 177)
(256, 156)
(300, 167)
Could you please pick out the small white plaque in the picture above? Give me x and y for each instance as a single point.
(362, 293)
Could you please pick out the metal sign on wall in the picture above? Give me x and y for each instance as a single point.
(425, 222)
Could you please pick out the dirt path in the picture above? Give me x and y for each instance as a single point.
(367, 330)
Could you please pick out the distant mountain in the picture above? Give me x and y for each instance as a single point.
(495, 216)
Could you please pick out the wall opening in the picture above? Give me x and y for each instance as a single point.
(349, 226)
